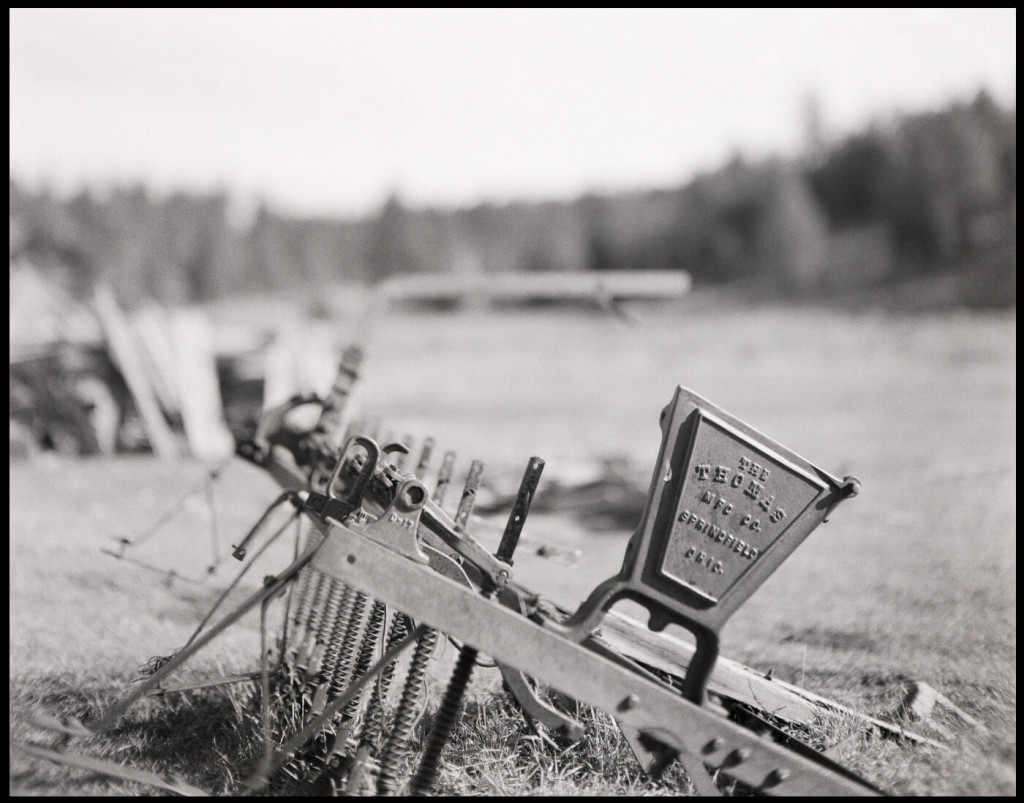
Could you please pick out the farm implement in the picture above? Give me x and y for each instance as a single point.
(384, 574)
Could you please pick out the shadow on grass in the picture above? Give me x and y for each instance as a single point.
(210, 738)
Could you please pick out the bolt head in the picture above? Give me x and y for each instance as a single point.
(714, 745)
(776, 776)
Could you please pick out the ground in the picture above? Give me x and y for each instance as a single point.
(913, 580)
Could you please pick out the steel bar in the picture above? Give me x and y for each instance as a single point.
(573, 669)
(159, 780)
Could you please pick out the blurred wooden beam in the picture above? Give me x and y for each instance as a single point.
(202, 410)
(600, 287)
(126, 354)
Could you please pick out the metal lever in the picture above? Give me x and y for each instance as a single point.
(520, 510)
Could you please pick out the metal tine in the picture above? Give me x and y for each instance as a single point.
(425, 454)
(425, 777)
(338, 761)
(426, 774)
(295, 591)
(306, 597)
(407, 712)
(341, 649)
(373, 716)
(308, 587)
(274, 758)
(335, 668)
(337, 632)
(270, 589)
(400, 457)
(211, 508)
(444, 476)
(468, 499)
(173, 510)
(306, 649)
(330, 637)
(520, 510)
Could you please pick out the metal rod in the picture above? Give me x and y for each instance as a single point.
(468, 499)
(425, 455)
(444, 476)
(520, 510)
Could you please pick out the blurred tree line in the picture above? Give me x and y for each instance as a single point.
(918, 194)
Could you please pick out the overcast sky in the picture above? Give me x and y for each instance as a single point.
(327, 111)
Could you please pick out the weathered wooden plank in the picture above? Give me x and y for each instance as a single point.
(733, 680)
(153, 331)
(125, 352)
(730, 679)
(202, 411)
(600, 286)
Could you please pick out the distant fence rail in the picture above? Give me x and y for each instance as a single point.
(598, 287)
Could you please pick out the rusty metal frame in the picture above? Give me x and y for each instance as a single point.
(545, 654)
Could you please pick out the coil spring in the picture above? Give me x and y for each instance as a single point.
(367, 646)
(335, 612)
(338, 761)
(405, 716)
(375, 710)
(302, 658)
(309, 584)
(447, 714)
(309, 760)
(348, 634)
(321, 620)
(373, 718)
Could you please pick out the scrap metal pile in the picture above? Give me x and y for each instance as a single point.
(386, 572)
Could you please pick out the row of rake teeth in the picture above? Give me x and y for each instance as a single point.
(334, 644)
(339, 749)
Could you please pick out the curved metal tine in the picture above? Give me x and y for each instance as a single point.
(401, 457)
(425, 454)
(444, 476)
(240, 550)
(535, 710)
(370, 641)
(520, 510)
(265, 683)
(231, 586)
(269, 766)
(169, 574)
(111, 717)
(355, 495)
(221, 680)
(161, 781)
(476, 469)
(291, 591)
(214, 538)
(175, 508)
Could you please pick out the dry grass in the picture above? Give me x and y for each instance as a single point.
(913, 580)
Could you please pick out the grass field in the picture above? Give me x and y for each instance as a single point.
(914, 580)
